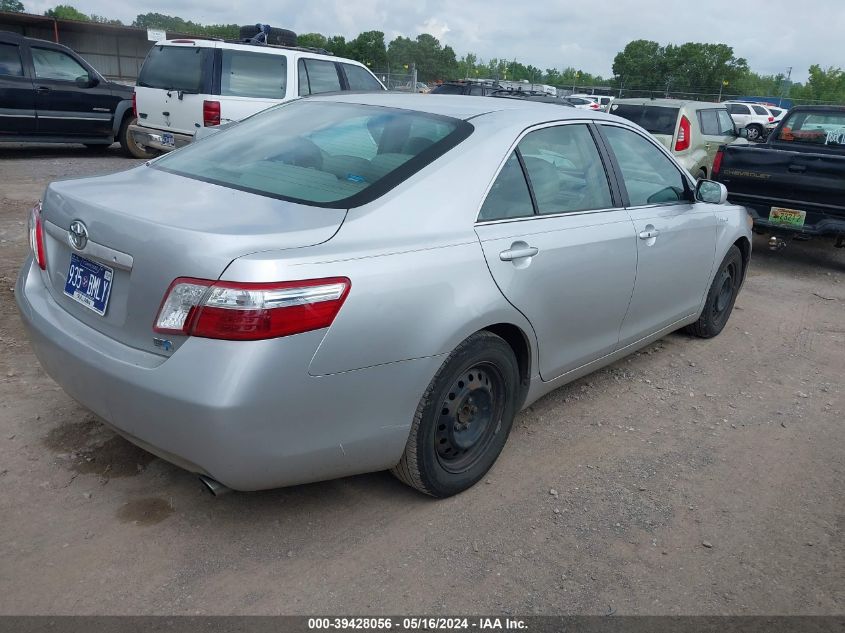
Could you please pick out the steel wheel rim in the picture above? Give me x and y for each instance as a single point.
(726, 290)
(469, 416)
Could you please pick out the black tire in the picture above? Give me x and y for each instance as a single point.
(97, 148)
(463, 419)
(128, 145)
(721, 297)
(279, 37)
(701, 175)
(755, 132)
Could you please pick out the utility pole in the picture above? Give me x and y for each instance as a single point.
(785, 86)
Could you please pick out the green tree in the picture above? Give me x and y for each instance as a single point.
(337, 45)
(369, 49)
(13, 6)
(825, 85)
(66, 12)
(99, 19)
(313, 40)
(640, 65)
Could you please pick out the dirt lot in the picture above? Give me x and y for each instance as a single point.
(697, 477)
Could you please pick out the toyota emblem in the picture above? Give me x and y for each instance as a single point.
(77, 235)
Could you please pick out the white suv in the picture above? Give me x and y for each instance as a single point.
(753, 117)
(185, 85)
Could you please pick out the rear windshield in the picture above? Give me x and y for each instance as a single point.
(175, 68)
(654, 119)
(326, 154)
(817, 128)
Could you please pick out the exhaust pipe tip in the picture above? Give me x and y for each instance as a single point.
(213, 486)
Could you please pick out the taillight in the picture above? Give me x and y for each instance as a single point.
(771, 118)
(684, 134)
(210, 113)
(36, 236)
(249, 311)
(134, 105)
(717, 163)
(594, 106)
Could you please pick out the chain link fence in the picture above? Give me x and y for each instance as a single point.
(402, 82)
(641, 93)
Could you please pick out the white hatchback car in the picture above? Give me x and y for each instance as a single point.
(186, 85)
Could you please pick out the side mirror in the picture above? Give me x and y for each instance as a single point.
(711, 192)
(743, 133)
(86, 81)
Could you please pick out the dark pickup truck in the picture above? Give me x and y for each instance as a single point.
(794, 183)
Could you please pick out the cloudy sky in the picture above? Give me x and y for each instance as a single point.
(771, 34)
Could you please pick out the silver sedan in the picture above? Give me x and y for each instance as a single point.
(357, 283)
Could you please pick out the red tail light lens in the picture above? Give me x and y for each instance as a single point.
(134, 105)
(771, 118)
(594, 106)
(36, 236)
(684, 133)
(717, 164)
(250, 311)
(210, 113)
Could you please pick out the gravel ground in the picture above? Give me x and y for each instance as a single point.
(695, 477)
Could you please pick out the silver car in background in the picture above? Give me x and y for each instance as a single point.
(354, 283)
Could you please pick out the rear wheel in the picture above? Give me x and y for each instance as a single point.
(127, 142)
(463, 419)
(755, 132)
(701, 175)
(721, 297)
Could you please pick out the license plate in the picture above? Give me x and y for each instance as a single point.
(89, 283)
(168, 140)
(787, 217)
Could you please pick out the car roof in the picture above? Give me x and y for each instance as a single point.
(466, 107)
(669, 103)
(255, 48)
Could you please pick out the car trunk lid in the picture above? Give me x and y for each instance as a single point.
(150, 227)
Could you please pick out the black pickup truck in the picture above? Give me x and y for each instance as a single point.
(49, 94)
(794, 183)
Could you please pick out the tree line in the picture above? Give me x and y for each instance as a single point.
(643, 66)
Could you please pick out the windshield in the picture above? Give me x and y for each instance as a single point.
(175, 68)
(327, 154)
(654, 119)
(817, 128)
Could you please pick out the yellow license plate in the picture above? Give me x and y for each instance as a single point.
(787, 217)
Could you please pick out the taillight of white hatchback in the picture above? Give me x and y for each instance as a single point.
(249, 311)
(36, 236)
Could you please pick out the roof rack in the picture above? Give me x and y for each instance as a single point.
(305, 49)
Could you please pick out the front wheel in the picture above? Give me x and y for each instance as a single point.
(463, 419)
(721, 297)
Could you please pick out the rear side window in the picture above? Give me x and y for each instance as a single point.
(50, 64)
(316, 76)
(760, 110)
(737, 108)
(709, 121)
(509, 196)
(565, 170)
(246, 74)
(654, 119)
(327, 154)
(360, 79)
(775, 111)
(649, 176)
(10, 61)
(175, 68)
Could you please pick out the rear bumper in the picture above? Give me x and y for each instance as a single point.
(816, 224)
(247, 414)
(152, 138)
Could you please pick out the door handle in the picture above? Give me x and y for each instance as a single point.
(42, 89)
(518, 252)
(648, 234)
